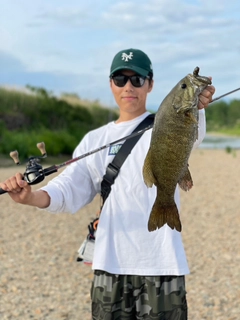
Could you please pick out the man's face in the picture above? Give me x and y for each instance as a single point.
(131, 99)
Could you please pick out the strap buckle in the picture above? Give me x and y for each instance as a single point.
(111, 173)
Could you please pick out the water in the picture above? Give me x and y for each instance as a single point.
(220, 142)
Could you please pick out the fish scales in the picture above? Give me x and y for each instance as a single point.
(174, 132)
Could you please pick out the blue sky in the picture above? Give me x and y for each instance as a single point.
(68, 46)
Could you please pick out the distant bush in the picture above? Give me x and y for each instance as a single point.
(224, 117)
(57, 142)
(26, 119)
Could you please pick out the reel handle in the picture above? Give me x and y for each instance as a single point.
(14, 156)
(41, 147)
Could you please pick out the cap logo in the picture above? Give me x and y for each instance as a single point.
(125, 56)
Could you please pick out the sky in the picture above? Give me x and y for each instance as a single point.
(68, 46)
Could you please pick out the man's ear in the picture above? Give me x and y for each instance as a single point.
(150, 85)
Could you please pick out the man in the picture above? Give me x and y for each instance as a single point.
(138, 274)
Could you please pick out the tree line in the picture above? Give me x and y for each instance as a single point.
(224, 117)
(28, 118)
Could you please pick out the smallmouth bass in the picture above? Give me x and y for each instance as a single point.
(174, 132)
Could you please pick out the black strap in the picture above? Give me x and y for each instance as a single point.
(113, 168)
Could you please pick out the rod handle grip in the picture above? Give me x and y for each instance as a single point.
(2, 191)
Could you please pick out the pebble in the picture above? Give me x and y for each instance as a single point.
(41, 280)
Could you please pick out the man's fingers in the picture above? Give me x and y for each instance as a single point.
(20, 181)
(211, 90)
(14, 184)
(206, 97)
(208, 92)
(4, 187)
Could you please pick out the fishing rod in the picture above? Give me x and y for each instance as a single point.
(34, 173)
(224, 95)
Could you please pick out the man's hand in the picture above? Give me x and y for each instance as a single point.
(206, 97)
(21, 192)
(18, 189)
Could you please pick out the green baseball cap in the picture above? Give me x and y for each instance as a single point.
(132, 59)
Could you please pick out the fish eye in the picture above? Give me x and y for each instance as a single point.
(184, 86)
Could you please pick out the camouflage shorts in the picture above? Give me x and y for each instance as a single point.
(119, 297)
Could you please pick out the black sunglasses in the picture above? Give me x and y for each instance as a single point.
(120, 80)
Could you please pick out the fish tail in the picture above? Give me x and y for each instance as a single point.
(161, 215)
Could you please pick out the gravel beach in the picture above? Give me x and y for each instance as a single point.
(40, 278)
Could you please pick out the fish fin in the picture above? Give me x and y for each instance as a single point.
(161, 215)
(148, 176)
(185, 182)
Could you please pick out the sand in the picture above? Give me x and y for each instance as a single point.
(40, 278)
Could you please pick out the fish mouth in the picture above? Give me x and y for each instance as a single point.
(199, 83)
(205, 80)
(199, 88)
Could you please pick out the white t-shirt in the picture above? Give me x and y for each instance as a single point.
(123, 243)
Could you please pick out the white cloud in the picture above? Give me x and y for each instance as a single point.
(79, 39)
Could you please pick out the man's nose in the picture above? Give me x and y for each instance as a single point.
(128, 85)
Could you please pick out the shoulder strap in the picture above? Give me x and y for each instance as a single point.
(113, 168)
